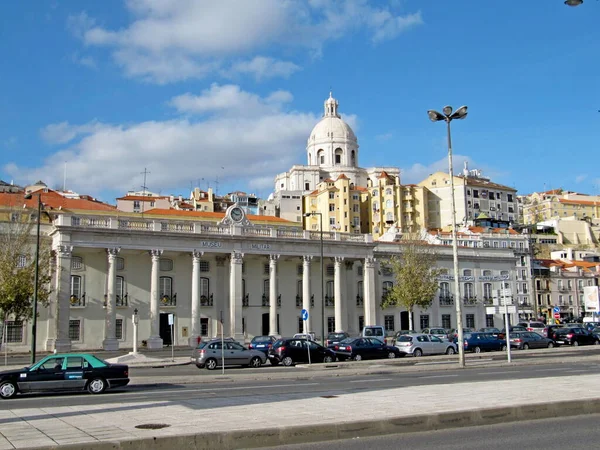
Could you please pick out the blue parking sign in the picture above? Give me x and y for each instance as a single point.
(304, 314)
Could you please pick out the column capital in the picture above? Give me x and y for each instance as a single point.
(64, 251)
(370, 262)
(307, 259)
(113, 252)
(273, 258)
(155, 253)
(349, 265)
(197, 254)
(237, 257)
(338, 260)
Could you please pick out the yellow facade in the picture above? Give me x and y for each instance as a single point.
(541, 206)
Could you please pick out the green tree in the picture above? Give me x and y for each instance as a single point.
(17, 267)
(416, 277)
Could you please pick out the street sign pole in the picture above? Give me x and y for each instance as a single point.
(304, 315)
(171, 322)
(503, 297)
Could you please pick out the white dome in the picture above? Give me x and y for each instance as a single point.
(331, 129)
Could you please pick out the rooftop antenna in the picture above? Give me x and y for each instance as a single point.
(65, 178)
(217, 183)
(144, 187)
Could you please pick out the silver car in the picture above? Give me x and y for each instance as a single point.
(210, 354)
(424, 344)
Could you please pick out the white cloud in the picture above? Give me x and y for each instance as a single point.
(252, 148)
(580, 178)
(170, 41)
(85, 61)
(418, 172)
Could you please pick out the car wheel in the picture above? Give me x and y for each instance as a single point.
(357, 357)
(525, 346)
(391, 355)
(596, 342)
(7, 389)
(477, 349)
(327, 359)
(287, 361)
(576, 343)
(503, 348)
(550, 344)
(211, 364)
(450, 351)
(418, 352)
(200, 366)
(255, 362)
(96, 386)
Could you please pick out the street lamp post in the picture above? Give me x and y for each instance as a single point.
(448, 116)
(573, 2)
(322, 273)
(135, 320)
(36, 277)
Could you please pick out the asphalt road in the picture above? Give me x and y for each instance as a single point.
(234, 389)
(547, 434)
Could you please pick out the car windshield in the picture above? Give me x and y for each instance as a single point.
(256, 339)
(405, 338)
(346, 341)
(278, 343)
(336, 336)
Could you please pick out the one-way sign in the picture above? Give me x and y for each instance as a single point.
(304, 314)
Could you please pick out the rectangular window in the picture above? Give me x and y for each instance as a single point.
(330, 324)
(204, 326)
(331, 195)
(21, 261)
(266, 269)
(299, 269)
(166, 286)
(120, 263)
(14, 331)
(75, 330)
(332, 221)
(330, 270)
(332, 207)
(119, 329)
(76, 263)
(166, 265)
(424, 321)
(489, 320)
(359, 271)
(361, 322)
(446, 321)
(204, 266)
(388, 322)
(470, 320)
(300, 325)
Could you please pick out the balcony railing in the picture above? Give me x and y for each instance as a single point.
(279, 300)
(122, 301)
(487, 300)
(329, 301)
(298, 301)
(446, 300)
(265, 300)
(168, 300)
(77, 302)
(206, 300)
(360, 301)
(246, 300)
(312, 301)
(470, 301)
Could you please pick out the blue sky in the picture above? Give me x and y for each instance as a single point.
(200, 91)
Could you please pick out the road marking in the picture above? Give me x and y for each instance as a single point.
(439, 376)
(434, 363)
(494, 372)
(370, 380)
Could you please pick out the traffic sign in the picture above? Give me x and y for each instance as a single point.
(557, 315)
(170, 317)
(556, 309)
(304, 314)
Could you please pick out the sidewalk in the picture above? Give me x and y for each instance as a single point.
(228, 423)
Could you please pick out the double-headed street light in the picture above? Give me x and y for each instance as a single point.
(36, 277)
(309, 214)
(573, 2)
(448, 116)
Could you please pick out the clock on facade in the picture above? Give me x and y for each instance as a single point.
(237, 214)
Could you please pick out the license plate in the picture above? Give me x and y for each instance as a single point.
(260, 346)
(560, 342)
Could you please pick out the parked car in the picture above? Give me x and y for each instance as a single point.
(513, 329)
(490, 330)
(359, 348)
(575, 336)
(211, 354)
(533, 326)
(550, 331)
(335, 338)
(288, 351)
(442, 333)
(424, 344)
(479, 342)
(65, 372)
(591, 325)
(596, 332)
(262, 343)
(524, 340)
(309, 336)
(453, 335)
(375, 331)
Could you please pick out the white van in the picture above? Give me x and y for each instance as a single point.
(375, 331)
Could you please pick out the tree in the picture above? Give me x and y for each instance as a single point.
(17, 267)
(416, 277)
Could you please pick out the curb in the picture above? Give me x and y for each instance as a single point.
(272, 437)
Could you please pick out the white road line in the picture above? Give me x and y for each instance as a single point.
(495, 373)
(370, 380)
(439, 376)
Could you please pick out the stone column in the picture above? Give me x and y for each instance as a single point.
(273, 331)
(110, 342)
(235, 296)
(351, 315)
(370, 300)
(63, 289)
(338, 295)
(52, 306)
(221, 302)
(195, 332)
(155, 341)
(306, 291)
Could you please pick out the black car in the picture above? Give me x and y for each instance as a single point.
(365, 348)
(335, 338)
(288, 351)
(550, 331)
(65, 372)
(575, 336)
(262, 343)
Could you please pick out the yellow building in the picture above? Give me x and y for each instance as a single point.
(558, 204)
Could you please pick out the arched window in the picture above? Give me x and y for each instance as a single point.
(487, 273)
(386, 288)
(338, 156)
(388, 191)
(389, 217)
(320, 156)
(375, 193)
(376, 206)
(353, 158)
(389, 203)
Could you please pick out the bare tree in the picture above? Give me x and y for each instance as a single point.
(416, 277)
(17, 266)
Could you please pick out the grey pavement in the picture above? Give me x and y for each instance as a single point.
(259, 420)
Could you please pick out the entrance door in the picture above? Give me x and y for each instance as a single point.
(266, 325)
(165, 329)
(404, 322)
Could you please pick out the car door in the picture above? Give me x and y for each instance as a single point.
(424, 344)
(437, 346)
(317, 352)
(377, 349)
(49, 375)
(234, 354)
(74, 372)
(298, 350)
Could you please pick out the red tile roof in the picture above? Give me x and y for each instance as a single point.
(212, 215)
(55, 201)
(142, 197)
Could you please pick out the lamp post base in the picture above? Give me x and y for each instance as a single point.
(110, 345)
